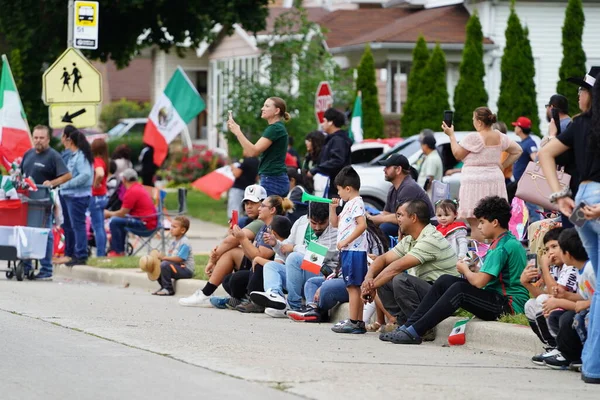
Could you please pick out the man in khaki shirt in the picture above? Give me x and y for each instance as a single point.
(403, 275)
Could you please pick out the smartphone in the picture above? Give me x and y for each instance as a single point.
(556, 118)
(448, 117)
(234, 218)
(532, 263)
(578, 217)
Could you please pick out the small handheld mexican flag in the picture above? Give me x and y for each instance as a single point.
(314, 258)
(457, 337)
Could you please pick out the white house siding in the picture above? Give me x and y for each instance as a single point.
(545, 21)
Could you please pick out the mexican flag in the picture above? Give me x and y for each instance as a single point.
(314, 258)
(356, 131)
(458, 335)
(215, 183)
(174, 109)
(15, 138)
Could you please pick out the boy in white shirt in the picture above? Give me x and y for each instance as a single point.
(352, 244)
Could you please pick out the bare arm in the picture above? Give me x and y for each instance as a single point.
(458, 151)
(230, 242)
(361, 226)
(60, 180)
(121, 212)
(252, 251)
(396, 267)
(546, 156)
(385, 216)
(237, 172)
(380, 263)
(477, 279)
(514, 152)
(333, 217)
(98, 175)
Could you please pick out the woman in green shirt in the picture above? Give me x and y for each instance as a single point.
(271, 148)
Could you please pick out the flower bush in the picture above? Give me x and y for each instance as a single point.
(186, 166)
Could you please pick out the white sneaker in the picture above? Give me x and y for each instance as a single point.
(198, 299)
(540, 358)
(269, 299)
(274, 313)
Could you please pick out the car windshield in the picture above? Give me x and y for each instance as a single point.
(406, 148)
(117, 129)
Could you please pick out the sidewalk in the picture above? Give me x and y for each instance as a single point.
(483, 336)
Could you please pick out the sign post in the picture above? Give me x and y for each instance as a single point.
(323, 100)
(84, 23)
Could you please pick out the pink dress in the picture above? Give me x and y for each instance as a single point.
(482, 175)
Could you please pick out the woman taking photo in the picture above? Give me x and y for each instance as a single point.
(583, 136)
(482, 172)
(99, 194)
(77, 193)
(271, 148)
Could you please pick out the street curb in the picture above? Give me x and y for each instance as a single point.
(481, 335)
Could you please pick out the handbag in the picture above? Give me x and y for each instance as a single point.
(533, 186)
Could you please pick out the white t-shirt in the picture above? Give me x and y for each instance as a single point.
(586, 281)
(353, 209)
(565, 276)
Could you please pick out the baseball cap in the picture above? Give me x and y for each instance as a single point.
(523, 122)
(397, 160)
(255, 193)
(428, 140)
(559, 102)
(130, 175)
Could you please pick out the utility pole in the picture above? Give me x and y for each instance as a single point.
(71, 9)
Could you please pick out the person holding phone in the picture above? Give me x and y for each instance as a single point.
(583, 136)
(557, 113)
(271, 148)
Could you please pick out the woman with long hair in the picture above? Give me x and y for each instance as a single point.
(583, 136)
(482, 172)
(99, 194)
(271, 148)
(77, 193)
(314, 142)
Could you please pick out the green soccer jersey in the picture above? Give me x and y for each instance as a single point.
(272, 160)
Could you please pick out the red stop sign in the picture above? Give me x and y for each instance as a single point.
(323, 100)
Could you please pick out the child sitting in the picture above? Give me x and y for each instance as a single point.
(352, 244)
(280, 230)
(455, 232)
(553, 273)
(179, 261)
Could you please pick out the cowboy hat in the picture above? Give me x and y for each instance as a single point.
(150, 264)
(588, 80)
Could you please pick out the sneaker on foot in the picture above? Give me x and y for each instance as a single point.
(348, 326)
(219, 302)
(250, 307)
(198, 299)
(539, 359)
(275, 313)
(429, 336)
(113, 253)
(557, 362)
(76, 261)
(232, 303)
(45, 278)
(307, 314)
(575, 366)
(269, 299)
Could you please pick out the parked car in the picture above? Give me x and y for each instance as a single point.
(368, 149)
(90, 134)
(127, 126)
(374, 188)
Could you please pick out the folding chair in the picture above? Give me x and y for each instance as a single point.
(146, 237)
(439, 191)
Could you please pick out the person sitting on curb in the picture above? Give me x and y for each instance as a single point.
(397, 171)
(220, 263)
(422, 249)
(289, 275)
(494, 290)
(137, 214)
(179, 261)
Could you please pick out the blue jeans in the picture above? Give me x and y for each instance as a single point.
(46, 263)
(332, 292)
(276, 276)
(118, 230)
(67, 230)
(389, 229)
(275, 185)
(75, 222)
(590, 236)
(96, 208)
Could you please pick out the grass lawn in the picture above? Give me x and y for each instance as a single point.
(518, 319)
(201, 206)
(132, 262)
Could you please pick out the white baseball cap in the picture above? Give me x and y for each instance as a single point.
(255, 193)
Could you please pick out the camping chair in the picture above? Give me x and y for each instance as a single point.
(439, 191)
(144, 238)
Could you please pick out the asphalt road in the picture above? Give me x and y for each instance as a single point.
(77, 340)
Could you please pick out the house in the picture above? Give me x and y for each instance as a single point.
(391, 28)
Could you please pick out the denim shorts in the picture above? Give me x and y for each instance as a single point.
(354, 267)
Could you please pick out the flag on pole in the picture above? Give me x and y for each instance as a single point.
(15, 137)
(314, 258)
(174, 109)
(356, 131)
(215, 183)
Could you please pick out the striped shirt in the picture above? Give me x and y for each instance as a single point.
(433, 251)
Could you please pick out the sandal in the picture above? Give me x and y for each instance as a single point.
(163, 292)
(374, 327)
(390, 327)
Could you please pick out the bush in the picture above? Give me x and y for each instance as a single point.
(112, 113)
(186, 166)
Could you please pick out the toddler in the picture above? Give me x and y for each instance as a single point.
(455, 232)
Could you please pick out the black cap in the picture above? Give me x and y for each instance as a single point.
(397, 160)
(588, 80)
(559, 102)
(428, 140)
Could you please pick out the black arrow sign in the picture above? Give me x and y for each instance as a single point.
(69, 118)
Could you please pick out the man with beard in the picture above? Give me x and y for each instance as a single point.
(404, 188)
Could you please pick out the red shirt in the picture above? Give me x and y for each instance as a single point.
(139, 203)
(100, 190)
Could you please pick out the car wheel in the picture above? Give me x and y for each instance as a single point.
(373, 202)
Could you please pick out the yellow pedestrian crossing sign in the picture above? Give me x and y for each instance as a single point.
(72, 79)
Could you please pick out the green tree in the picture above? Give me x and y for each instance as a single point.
(112, 113)
(366, 82)
(429, 107)
(415, 78)
(470, 91)
(517, 89)
(573, 62)
(294, 66)
(38, 30)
